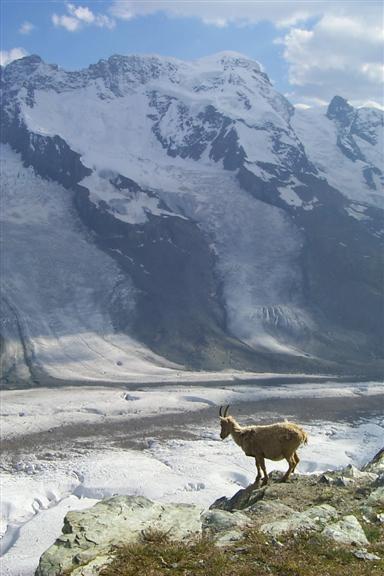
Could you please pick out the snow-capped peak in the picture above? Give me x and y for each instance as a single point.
(229, 59)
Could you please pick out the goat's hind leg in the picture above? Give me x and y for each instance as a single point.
(262, 464)
(291, 466)
(297, 460)
(258, 477)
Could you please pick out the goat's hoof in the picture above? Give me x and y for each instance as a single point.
(264, 482)
(283, 480)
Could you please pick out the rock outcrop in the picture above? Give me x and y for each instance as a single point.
(324, 504)
(90, 536)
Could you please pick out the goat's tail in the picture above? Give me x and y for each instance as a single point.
(305, 438)
(302, 435)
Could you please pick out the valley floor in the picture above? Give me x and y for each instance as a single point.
(66, 448)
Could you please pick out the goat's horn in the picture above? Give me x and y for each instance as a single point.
(220, 411)
(226, 411)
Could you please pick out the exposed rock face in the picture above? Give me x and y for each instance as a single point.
(89, 537)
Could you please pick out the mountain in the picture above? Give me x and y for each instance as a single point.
(162, 215)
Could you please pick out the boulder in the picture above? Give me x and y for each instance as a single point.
(376, 465)
(270, 508)
(346, 531)
(344, 481)
(242, 499)
(90, 535)
(364, 555)
(225, 527)
(369, 514)
(351, 471)
(314, 518)
(217, 521)
(379, 480)
(360, 476)
(376, 498)
(228, 538)
(326, 479)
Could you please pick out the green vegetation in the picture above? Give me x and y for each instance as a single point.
(255, 555)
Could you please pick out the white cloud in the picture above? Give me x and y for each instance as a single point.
(78, 17)
(68, 22)
(81, 13)
(367, 104)
(302, 106)
(339, 55)
(218, 22)
(104, 21)
(374, 71)
(306, 101)
(26, 28)
(216, 12)
(283, 13)
(7, 56)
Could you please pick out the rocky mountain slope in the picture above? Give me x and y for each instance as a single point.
(344, 507)
(161, 215)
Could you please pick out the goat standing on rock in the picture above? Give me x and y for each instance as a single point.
(274, 442)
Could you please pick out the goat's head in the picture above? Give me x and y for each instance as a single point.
(225, 422)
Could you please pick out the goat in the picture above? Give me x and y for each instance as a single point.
(274, 442)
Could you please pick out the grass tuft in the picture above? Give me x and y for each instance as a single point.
(256, 554)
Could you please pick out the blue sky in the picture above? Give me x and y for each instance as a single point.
(310, 49)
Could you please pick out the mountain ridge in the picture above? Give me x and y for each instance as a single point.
(242, 250)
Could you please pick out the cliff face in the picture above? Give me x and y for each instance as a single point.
(344, 508)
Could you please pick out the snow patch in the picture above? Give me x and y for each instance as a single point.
(319, 135)
(131, 207)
